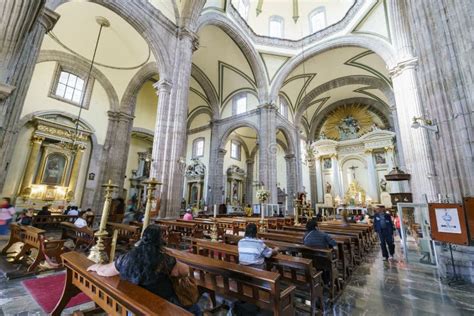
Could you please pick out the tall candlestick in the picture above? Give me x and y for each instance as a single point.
(215, 210)
(151, 186)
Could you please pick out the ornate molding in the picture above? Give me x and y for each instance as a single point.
(163, 86)
(5, 90)
(48, 19)
(400, 67)
(184, 32)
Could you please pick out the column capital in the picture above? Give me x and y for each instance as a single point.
(185, 32)
(48, 19)
(250, 161)
(221, 152)
(162, 86)
(289, 156)
(408, 63)
(333, 156)
(368, 151)
(120, 116)
(37, 139)
(389, 148)
(5, 90)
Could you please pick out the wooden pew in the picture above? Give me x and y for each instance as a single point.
(82, 237)
(129, 234)
(15, 236)
(56, 220)
(231, 280)
(114, 296)
(293, 270)
(323, 259)
(34, 238)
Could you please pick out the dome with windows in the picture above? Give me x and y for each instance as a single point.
(291, 19)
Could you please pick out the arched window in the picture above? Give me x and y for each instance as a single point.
(242, 7)
(283, 107)
(276, 26)
(239, 103)
(69, 86)
(317, 19)
(198, 147)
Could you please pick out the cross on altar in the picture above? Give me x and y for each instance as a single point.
(353, 168)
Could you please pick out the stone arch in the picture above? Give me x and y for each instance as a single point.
(227, 130)
(129, 98)
(380, 109)
(378, 46)
(373, 82)
(289, 138)
(133, 13)
(353, 157)
(248, 49)
(203, 109)
(208, 88)
(82, 66)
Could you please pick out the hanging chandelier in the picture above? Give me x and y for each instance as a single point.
(76, 139)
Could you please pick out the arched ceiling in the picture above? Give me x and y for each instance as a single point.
(295, 14)
(335, 75)
(122, 51)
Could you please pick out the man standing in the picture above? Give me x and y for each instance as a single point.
(383, 225)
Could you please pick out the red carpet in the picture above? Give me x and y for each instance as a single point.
(47, 292)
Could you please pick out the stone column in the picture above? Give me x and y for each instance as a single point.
(335, 176)
(19, 66)
(75, 173)
(416, 146)
(372, 191)
(268, 149)
(249, 181)
(28, 178)
(319, 181)
(290, 179)
(313, 181)
(18, 19)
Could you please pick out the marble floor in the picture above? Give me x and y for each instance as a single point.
(376, 288)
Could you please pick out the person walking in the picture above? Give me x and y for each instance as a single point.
(396, 222)
(383, 225)
(6, 214)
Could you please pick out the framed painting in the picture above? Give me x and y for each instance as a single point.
(54, 169)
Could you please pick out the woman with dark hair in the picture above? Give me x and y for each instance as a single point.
(148, 266)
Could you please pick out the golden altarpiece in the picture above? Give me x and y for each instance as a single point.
(53, 166)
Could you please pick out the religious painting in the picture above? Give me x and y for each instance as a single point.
(54, 169)
(380, 158)
(349, 121)
(327, 163)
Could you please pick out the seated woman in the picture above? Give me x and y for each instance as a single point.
(148, 266)
(252, 251)
(81, 220)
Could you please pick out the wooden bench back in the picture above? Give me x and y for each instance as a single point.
(127, 233)
(114, 296)
(258, 287)
(31, 236)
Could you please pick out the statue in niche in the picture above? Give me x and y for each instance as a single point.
(383, 185)
(348, 128)
(328, 187)
(327, 163)
(235, 192)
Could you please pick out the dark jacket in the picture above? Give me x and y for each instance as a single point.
(379, 226)
(318, 239)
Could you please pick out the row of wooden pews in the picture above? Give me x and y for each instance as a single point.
(44, 221)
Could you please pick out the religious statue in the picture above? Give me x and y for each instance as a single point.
(383, 185)
(235, 192)
(374, 127)
(196, 169)
(322, 135)
(328, 187)
(348, 128)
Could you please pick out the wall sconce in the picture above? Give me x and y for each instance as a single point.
(427, 124)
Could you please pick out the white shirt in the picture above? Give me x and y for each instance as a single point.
(80, 222)
(73, 212)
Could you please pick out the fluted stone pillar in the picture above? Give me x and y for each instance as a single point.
(170, 137)
(335, 176)
(313, 180)
(28, 177)
(19, 70)
(216, 176)
(372, 191)
(319, 181)
(416, 146)
(291, 179)
(268, 150)
(249, 181)
(75, 173)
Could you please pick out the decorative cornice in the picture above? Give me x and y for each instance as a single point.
(296, 44)
(162, 85)
(409, 63)
(5, 90)
(48, 19)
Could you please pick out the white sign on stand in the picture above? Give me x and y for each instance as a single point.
(448, 220)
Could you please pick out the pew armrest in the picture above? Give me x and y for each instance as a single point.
(288, 291)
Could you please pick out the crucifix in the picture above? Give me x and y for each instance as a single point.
(353, 168)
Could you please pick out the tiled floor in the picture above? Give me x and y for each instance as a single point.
(376, 288)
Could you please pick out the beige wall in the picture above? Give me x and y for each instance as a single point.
(145, 111)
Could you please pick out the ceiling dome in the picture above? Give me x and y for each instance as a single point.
(291, 19)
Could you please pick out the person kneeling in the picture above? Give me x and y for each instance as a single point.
(148, 266)
(253, 251)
